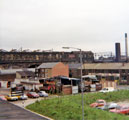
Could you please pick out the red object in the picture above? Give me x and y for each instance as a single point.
(121, 110)
(48, 87)
(32, 95)
(98, 103)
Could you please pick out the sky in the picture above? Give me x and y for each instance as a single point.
(91, 25)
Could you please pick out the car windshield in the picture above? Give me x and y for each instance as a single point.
(42, 92)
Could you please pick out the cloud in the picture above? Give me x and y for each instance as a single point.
(45, 24)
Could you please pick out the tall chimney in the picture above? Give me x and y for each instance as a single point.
(126, 47)
(118, 52)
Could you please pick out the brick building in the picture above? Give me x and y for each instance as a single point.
(47, 70)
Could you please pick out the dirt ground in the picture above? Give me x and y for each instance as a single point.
(24, 103)
(4, 91)
(124, 103)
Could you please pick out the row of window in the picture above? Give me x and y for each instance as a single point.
(107, 71)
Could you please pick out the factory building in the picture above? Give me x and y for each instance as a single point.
(26, 59)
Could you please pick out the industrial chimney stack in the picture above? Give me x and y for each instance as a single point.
(126, 47)
(118, 52)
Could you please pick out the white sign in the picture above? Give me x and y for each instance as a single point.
(74, 89)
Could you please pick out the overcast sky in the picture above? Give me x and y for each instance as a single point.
(51, 24)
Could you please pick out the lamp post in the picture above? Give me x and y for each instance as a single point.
(82, 94)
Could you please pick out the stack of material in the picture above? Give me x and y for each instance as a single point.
(92, 87)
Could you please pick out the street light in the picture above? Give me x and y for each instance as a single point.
(81, 78)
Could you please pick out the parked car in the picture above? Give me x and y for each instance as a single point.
(23, 97)
(108, 106)
(98, 103)
(32, 95)
(11, 97)
(121, 110)
(42, 94)
(2, 97)
(107, 89)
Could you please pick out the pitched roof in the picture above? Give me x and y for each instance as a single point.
(26, 73)
(48, 65)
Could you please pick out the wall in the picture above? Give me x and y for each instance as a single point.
(31, 86)
(4, 84)
(4, 79)
(48, 73)
(75, 73)
(67, 89)
(108, 84)
(28, 86)
(60, 69)
(18, 76)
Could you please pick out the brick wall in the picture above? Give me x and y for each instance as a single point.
(8, 77)
(60, 70)
(67, 89)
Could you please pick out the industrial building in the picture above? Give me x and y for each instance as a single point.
(109, 71)
(28, 59)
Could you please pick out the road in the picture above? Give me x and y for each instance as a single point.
(9, 111)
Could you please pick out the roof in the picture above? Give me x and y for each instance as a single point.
(106, 66)
(89, 76)
(26, 73)
(66, 78)
(48, 65)
(31, 83)
(74, 65)
(13, 71)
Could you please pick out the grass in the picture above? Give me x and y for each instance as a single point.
(69, 107)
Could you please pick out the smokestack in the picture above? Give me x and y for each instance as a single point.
(126, 47)
(118, 52)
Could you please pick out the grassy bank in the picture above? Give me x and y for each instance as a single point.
(69, 107)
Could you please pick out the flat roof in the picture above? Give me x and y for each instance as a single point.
(109, 66)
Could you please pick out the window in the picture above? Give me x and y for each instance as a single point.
(22, 76)
(46, 70)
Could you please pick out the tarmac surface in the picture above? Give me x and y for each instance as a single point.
(9, 111)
